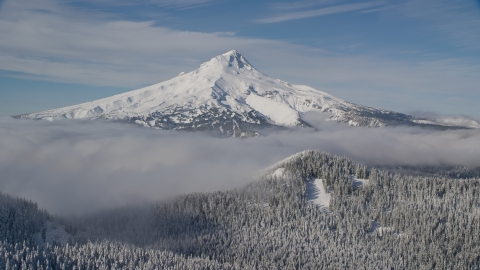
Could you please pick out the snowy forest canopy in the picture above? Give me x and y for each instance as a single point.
(410, 219)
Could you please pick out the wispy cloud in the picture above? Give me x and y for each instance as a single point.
(456, 21)
(377, 9)
(182, 3)
(178, 4)
(302, 4)
(318, 12)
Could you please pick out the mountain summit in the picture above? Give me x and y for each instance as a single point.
(229, 96)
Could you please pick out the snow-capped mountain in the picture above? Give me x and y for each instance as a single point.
(229, 96)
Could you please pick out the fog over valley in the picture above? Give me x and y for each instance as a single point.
(75, 167)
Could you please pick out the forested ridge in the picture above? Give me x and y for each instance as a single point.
(395, 221)
(448, 171)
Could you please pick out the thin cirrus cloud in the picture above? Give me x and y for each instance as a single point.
(318, 12)
(457, 21)
(178, 4)
(182, 3)
(302, 4)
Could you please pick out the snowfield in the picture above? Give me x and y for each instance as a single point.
(316, 193)
(229, 95)
(279, 113)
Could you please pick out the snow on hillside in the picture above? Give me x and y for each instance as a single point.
(316, 193)
(278, 172)
(459, 121)
(358, 182)
(226, 82)
(279, 113)
(451, 121)
(226, 94)
(54, 233)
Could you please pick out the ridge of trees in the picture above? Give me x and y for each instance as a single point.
(395, 221)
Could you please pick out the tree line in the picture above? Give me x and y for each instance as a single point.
(395, 221)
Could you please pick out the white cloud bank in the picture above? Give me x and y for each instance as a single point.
(81, 166)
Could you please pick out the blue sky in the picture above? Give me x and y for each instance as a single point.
(401, 55)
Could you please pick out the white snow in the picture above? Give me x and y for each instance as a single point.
(358, 182)
(459, 121)
(425, 121)
(451, 121)
(280, 113)
(316, 193)
(278, 172)
(226, 82)
(54, 234)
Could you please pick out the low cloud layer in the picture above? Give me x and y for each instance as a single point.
(73, 167)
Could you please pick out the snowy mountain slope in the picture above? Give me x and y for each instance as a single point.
(226, 95)
(451, 121)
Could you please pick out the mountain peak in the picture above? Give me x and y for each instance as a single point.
(230, 59)
(229, 96)
(233, 53)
